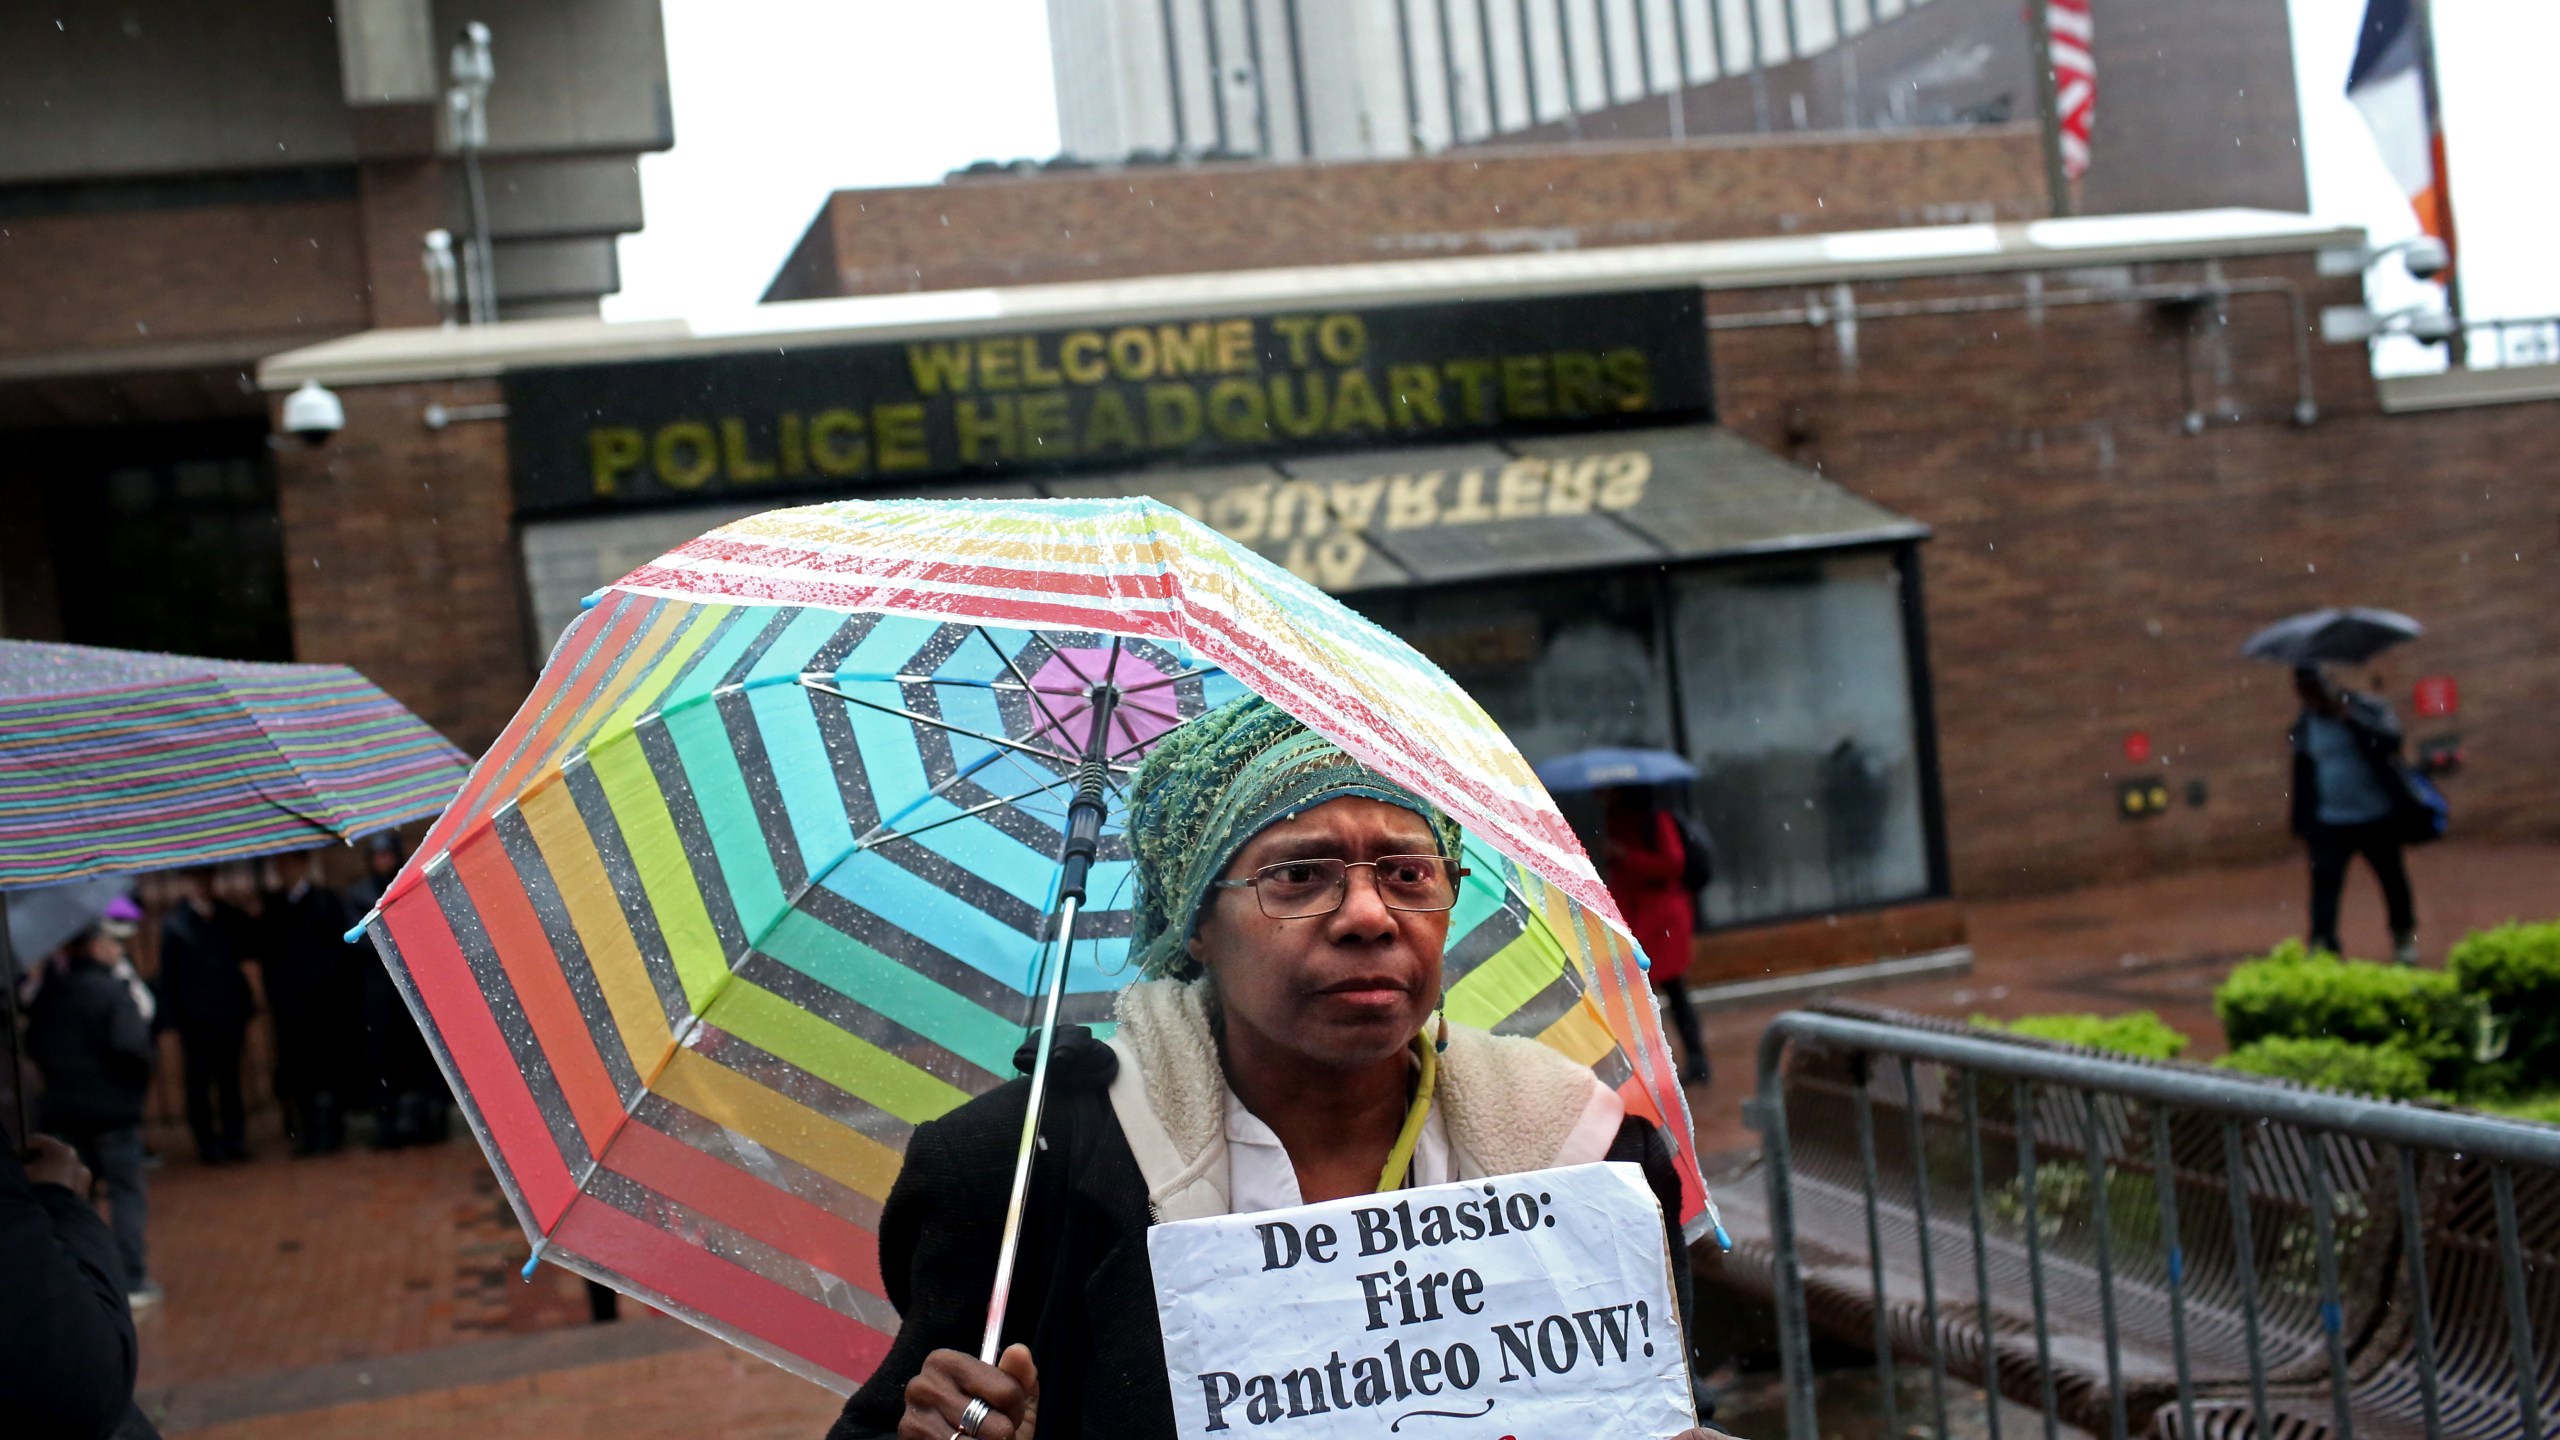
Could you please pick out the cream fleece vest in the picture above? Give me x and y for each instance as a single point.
(1510, 1104)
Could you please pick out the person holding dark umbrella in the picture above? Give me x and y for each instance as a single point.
(2350, 792)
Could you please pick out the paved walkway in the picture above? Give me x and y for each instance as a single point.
(373, 1296)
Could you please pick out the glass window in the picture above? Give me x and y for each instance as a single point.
(167, 538)
(1561, 664)
(1795, 690)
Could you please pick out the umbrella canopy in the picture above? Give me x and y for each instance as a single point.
(114, 761)
(2341, 635)
(44, 917)
(761, 877)
(1607, 766)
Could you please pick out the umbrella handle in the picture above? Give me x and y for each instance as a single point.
(1084, 839)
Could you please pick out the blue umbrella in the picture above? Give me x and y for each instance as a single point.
(1611, 765)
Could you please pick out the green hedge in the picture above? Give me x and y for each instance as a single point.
(2292, 994)
(2390, 1072)
(2141, 1033)
(2515, 971)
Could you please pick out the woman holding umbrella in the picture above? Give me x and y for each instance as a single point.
(1291, 912)
(1646, 858)
(2351, 794)
(2346, 785)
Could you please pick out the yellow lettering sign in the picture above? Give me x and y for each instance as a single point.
(1173, 416)
(742, 465)
(939, 368)
(836, 445)
(1080, 356)
(1108, 425)
(686, 455)
(1187, 349)
(613, 451)
(1237, 411)
(898, 433)
(1046, 432)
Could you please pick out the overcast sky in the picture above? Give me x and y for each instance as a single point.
(779, 102)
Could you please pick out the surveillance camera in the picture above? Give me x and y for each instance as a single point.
(2426, 257)
(314, 413)
(2431, 326)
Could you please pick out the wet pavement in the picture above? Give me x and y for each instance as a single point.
(374, 1295)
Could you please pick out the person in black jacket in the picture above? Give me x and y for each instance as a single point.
(205, 997)
(89, 1033)
(315, 994)
(1291, 911)
(2348, 799)
(67, 1351)
(412, 1106)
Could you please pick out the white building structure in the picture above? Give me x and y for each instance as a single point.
(1348, 79)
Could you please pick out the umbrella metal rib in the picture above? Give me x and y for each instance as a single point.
(919, 718)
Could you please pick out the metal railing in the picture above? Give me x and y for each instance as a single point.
(2497, 344)
(2365, 1265)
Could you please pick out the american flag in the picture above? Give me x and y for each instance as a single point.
(2075, 81)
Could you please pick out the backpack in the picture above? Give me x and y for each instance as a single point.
(2423, 813)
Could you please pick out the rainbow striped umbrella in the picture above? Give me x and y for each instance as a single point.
(768, 871)
(114, 761)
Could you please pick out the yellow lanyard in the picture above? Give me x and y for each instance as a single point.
(1400, 1159)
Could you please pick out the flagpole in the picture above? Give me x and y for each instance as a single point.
(2057, 184)
(2422, 15)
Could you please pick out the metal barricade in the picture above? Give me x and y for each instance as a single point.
(2137, 1248)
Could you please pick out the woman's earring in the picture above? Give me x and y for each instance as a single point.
(1440, 1040)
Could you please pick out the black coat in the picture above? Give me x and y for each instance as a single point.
(90, 1042)
(1084, 1296)
(67, 1351)
(314, 985)
(2377, 737)
(202, 988)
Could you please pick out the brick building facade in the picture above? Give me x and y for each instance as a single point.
(1109, 224)
(2108, 451)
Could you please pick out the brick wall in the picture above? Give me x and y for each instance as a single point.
(284, 273)
(1113, 223)
(2096, 567)
(401, 561)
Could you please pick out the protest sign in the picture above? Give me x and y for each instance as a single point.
(1529, 1305)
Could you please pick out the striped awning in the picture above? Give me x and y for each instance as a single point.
(115, 761)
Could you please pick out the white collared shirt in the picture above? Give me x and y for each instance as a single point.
(1260, 1175)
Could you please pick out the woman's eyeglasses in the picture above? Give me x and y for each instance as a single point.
(1304, 889)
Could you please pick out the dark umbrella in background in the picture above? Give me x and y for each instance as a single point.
(1610, 766)
(119, 761)
(45, 916)
(2337, 635)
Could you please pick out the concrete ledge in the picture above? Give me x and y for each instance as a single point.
(1825, 942)
(1741, 994)
(2454, 389)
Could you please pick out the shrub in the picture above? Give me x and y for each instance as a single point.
(2515, 971)
(2142, 1033)
(2295, 995)
(2544, 1107)
(2390, 1072)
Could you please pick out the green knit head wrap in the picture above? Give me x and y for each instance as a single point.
(1215, 783)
